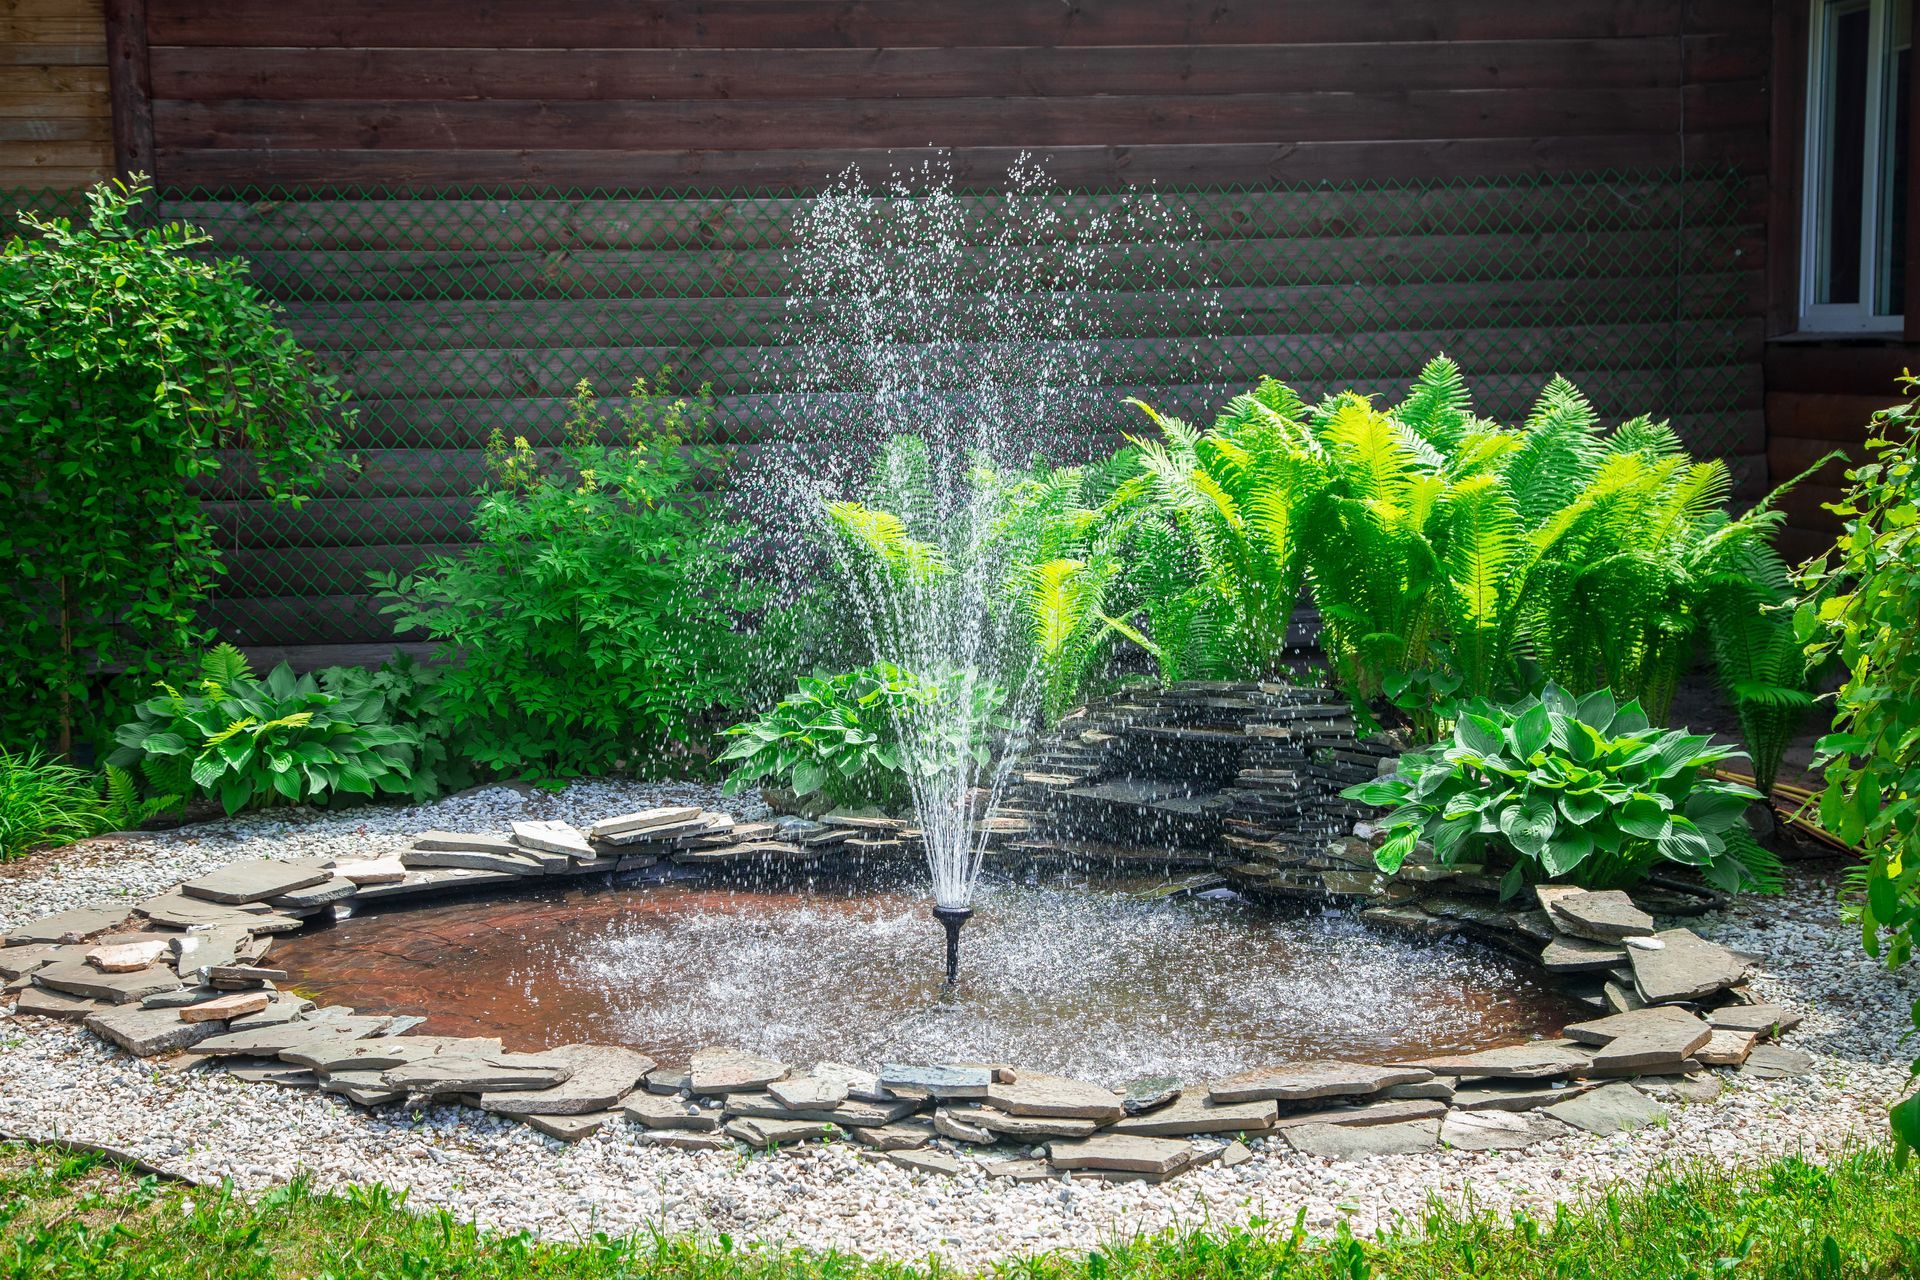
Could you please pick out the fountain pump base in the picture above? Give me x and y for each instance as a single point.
(952, 918)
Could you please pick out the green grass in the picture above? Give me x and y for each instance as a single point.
(75, 1216)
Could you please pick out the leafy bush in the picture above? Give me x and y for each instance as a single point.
(403, 693)
(1863, 608)
(44, 803)
(841, 735)
(249, 741)
(1561, 789)
(129, 361)
(600, 613)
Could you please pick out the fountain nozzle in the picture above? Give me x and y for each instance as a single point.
(952, 918)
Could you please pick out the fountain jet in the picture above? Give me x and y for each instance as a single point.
(952, 918)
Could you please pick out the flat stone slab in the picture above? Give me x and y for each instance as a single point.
(934, 1162)
(682, 1141)
(145, 1032)
(1020, 1170)
(1193, 1114)
(722, 1070)
(78, 978)
(1700, 1087)
(272, 1041)
(1351, 1142)
(128, 957)
(1497, 1130)
(572, 1127)
(467, 841)
(1149, 1093)
(1519, 1096)
(428, 881)
(313, 897)
(18, 962)
(938, 1082)
(337, 1054)
(362, 1088)
(270, 1072)
(73, 925)
(1727, 1048)
(952, 1126)
(554, 837)
(1034, 1093)
(1305, 1081)
(209, 947)
(994, 1120)
(775, 1133)
(282, 1007)
(602, 1076)
(1541, 1060)
(654, 1111)
(905, 1136)
(630, 827)
(44, 1002)
(478, 1073)
(1579, 955)
(366, 871)
(1121, 1152)
(178, 911)
(1606, 915)
(220, 1008)
(1770, 1020)
(1610, 1109)
(1367, 1113)
(255, 880)
(515, 862)
(1686, 967)
(1644, 1039)
(808, 1093)
(1776, 1062)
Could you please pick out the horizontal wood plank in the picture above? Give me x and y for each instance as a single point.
(1840, 418)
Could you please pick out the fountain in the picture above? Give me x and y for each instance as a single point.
(948, 340)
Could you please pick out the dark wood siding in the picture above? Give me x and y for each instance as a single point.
(54, 117)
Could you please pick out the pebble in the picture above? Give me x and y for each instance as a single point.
(840, 1196)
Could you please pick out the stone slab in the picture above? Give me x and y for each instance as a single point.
(1578, 955)
(808, 1093)
(1351, 1142)
(1023, 1128)
(18, 962)
(1366, 1113)
(334, 889)
(427, 881)
(1517, 1096)
(75, 924)
(362, 1088)
(272, 1041)
(145, 1032)
(1606, 915)
(775, 1133)
(128, 957)
(1770, 1020)
(1497, 1130)
(680, 1141)
(1775, 1062)
(269, 1071)
(78, 978)
(554, 837)
(654, 1111)
(644, 820)
(221, 1008)
(255, 880)
(952, 1126)
(720, 1070)
(1121, 1152)
(43, 1002)
(1149, 1093)
(178, 911)
(905, 1136)
(934, 1162)
(1541, 1060)
(446, 1073)
(515, 862)
(1727, 1048)
(1195, 1113)
(602, 1076)
(1686, 968)
(1305, 1081)
(437, 841)
(1703, 1086)
(570, 1127)
(209, 946)
(1610, 1109)
(1034, 1093)
(369, 871)
(938, 1081)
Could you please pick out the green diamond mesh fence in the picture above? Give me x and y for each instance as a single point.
(454, 313)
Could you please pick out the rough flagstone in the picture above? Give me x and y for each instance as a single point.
(220, 1008)
(723, 1070)
(478, 1073)
(655, 1111)
(1541, 1060)
(602, 1076)
(554, 837)
(1121, 1152)
(1497, 1130)
(1769, 1020)
(145, 1032)
(1610, 1109)
(1687, 967)
(255, 880)
(1304, 1081)
(1351, 1142)
(1194, 1113)
(774, 1133)
(1606, 915)
(78, 978)
(1034, 1093)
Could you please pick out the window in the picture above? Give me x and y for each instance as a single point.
(1858, 87)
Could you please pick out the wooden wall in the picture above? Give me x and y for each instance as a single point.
(55, 129)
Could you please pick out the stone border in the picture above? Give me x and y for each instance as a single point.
(189, 976)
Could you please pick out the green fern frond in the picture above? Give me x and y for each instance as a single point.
(1438, 406)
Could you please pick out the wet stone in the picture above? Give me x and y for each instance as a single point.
(1357, 1142)
(1610, 1109)
(255, 880)
(721, 1070)
(938, 1082)
(1193, 1114)
(1034, 1093)
(653, 1111)
(1687, 967)
(1303, 1081)
(1121, 1153)
(1149, 1093)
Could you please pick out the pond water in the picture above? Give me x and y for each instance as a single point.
(1080, 977)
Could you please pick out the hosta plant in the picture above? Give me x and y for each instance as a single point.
(248, 742)
(846, 737)
(1584, 791)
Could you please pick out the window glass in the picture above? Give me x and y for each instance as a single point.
(1837, 275)
(1891, 294)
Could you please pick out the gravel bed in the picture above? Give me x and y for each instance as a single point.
(57, 1079)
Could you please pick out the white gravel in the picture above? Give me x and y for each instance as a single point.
(55, 1078)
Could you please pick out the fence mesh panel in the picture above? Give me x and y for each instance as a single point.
(453, 313)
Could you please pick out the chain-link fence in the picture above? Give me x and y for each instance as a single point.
(452, 314)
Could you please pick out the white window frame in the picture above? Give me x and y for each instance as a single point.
(1858, 316)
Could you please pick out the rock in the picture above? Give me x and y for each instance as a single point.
(852, 1112)
(1578, 955)
(652, 1111)
(774, 1133)
(602, 1076)
(1539, 1060)
(1703, 1086)
(1034, 1093)
(668, 1083)
(255, 880)
(1195, 1113)
(1645, 944)
(221, 1008)
(682, 1141)
(808, 1093)
(46, 1003)
(269, 1072)
(722, 1070)
(209, 947)
(282, 1008)
(1769, 1020)
(634, 824)
(1122, 1153)
(1604, 916)
(128, 957)
(1775, 1062)
(336, 1055)
(145, 1032)
(1235, 1154)
(1367, 1113)
(372, 871)
(181, 997)
(1497, 1130)
(74, 925)
(864, 1085)
(313, 897)
(178, 911)
(961, 1130)
(516, 862)
(937, 1162)
(554, 837)
(18, 962)
(1613, 1108)
(894, 1137)
(571, 1128)
(1024, 1128)
(479, 1073)
(1622, 997)
(1516, 1097)
(1149, 1093)
(463, 841)
(237, 977)
(1644, 1039)
(1727, 1048)
(426, 882)
(938, 1082)
(272, 1041)
(78, 978)
(1019, 1170)
(1686, 968)
(1357, 1142)
(1304, 1081)
(362, 1088)
(1437, 1088)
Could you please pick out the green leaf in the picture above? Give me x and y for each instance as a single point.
(1529, 824)
(1479, 735)
(1582, 807)
(1596, 710)
(1567, 849)
(1642, 817)
(1683, 842)
(1380, 791)
(1631, 718)
(808, 778)
(1713, 809)
(1531, 732)
(1395, 849)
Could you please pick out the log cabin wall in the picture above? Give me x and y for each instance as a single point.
(1537, 188)
(55, 117)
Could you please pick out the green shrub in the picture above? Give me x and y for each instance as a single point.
(859, 737)
(403, 693)
(1555, 789)
(281, 739)
(130, 359)
(601, 613)
(1863, 609)
(44, 803)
